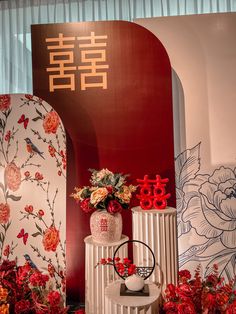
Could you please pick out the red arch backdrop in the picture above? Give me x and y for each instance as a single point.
(111, 84)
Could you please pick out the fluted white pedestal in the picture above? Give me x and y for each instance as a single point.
(116, 304)
(97, 278)
(156, 228)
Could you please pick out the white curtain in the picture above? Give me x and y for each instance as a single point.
(16, 16)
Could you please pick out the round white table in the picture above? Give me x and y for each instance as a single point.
(116, 304)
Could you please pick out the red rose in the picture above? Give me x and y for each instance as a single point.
(38, 279)
(51, 239)
(114, 207)
(185, 274)
(171, 307)
(209, 301)
(51, 122)
(22, 306)
(54, 298)
(186, 307)
(5, 101)
(171, 290)
(185, 291)
(85, 205)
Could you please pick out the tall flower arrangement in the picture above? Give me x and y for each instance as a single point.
(108, 191)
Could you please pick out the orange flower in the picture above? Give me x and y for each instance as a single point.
(12, 176)
(51, 239)
(51, 122)
(4, 213)
(4, 309)
(98, 195)
(3, 294)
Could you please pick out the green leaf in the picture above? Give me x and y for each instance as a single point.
(1, 237)
(13, 197)
(40, 230)
(36, 234)
(36, 119)
(2, 186)
(39, 113)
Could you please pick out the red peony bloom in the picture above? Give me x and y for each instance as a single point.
(38, 279)
(85, 205)
(186, 307)
(185, 274)
(22, 306)
(114, 207)
(54, 298)
(185, 291)
(171, 307)
(209, 301)
(5, 101)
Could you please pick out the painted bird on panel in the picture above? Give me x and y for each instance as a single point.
(32, 149)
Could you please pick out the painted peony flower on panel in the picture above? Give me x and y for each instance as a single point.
(108, 192)
(206, 206)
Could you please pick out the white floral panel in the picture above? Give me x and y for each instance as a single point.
(33, 185)
(206, 205)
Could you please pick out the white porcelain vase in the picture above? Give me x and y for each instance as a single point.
(105, 227)
(134, 282)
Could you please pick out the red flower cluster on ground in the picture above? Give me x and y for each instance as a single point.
(196, 295)
(23, 290)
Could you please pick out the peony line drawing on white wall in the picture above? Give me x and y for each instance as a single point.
(206, 209)
(33, 185)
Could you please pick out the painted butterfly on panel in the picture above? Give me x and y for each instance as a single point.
(23, 120)
(24, 235)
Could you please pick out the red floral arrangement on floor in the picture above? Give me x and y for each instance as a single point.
(196, 295)
(24, 289)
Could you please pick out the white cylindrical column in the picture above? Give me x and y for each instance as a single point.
(97, 278)
(156, 228)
